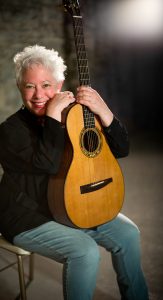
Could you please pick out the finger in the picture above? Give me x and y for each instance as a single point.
(85, 102)
(84, 94)
(70, 95)
(84, 88)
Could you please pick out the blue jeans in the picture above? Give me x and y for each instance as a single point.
(78, 251)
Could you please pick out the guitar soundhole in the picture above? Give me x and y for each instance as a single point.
(90, 141)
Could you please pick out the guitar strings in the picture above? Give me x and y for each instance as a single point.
(84, 80)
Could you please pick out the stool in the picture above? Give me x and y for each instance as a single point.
(20, 253)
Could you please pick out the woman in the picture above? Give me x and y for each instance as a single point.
(33, 141)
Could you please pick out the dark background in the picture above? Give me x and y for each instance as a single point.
(128, 74)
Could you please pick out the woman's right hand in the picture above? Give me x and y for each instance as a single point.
(58, 103)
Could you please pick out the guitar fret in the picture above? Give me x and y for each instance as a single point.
(83, 75)
(91, 119)
(89, 113)
(82, 59)
(84, 80)
(78, 17)
(81, 48)
(86, 67)
(83, 70)
(89, 122)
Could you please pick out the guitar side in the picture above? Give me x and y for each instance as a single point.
(56, 185)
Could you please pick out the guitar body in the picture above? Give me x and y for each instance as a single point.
(88, 189)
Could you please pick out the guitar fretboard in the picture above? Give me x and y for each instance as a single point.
(83, 68)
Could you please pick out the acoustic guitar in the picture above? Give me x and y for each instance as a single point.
(88, 190)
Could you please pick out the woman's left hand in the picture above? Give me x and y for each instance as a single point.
(90, 98)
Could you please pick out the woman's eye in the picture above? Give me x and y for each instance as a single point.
(45, 85)
(29, 87)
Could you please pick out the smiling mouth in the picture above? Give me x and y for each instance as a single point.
(39, 104)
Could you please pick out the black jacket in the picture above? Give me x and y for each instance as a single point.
(29, 153)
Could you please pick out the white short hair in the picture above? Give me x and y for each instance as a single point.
(39, 55)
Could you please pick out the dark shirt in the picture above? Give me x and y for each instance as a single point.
(29, 154)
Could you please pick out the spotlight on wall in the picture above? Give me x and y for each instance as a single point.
(140, 20)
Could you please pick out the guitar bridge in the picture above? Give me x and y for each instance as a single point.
(94, 186)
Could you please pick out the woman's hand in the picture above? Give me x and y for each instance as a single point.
(58, 103)
(90, 98)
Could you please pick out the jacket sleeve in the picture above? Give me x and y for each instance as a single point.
(117, 138)
(23, 150)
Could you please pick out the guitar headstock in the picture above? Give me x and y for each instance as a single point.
(72, 6)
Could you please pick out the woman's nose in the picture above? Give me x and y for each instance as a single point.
(38, 92)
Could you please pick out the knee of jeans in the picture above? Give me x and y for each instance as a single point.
(134, 233)
(93, 253)
(132, 237)
(89, 251)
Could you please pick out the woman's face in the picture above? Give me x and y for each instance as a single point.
(37, 87)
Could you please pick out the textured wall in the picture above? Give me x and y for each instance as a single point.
(42, 22)
(25, 23)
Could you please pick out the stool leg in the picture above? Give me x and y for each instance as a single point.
(21, 278)
(31, 267)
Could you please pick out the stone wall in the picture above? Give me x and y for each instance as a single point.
(25, 23)
(42, 22)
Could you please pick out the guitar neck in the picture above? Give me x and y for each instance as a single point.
(83, 68)
(82, 60)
